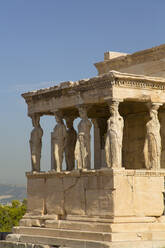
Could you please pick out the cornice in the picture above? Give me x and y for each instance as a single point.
(107, 80)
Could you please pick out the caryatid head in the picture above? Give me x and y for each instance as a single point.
(82, 111)
(113, 108)
(69, 122)
(153, 110)
(58, 117)
(35, 120)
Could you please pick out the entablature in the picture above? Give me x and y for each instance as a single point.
(95, 91)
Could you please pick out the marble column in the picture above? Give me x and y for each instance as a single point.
(114, 136)
(152, 145)
(58, 142)
(71, 137)
(36, 142)
(83, 150)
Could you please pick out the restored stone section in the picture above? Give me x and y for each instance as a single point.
(149, 202)
(137, 201)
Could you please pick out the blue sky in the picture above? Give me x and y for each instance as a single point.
(43, 42)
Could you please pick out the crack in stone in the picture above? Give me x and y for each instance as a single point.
(65, 191)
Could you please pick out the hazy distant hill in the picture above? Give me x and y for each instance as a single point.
(10, 192)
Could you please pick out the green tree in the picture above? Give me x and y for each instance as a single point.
(11, 214)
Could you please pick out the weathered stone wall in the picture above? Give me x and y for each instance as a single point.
(154, 69)
(149, 62)
(133, 141)
(102, 193)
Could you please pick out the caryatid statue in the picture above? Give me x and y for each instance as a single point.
(70, 144)
(82, 149)
(36, 142)
(152, 145)
(58, 142)
(114, 137)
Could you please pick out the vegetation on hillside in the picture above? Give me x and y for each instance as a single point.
(11, 214)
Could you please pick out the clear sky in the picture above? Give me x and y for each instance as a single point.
(43, 42)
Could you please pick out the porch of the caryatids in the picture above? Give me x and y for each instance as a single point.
(82, 149)
(152, 145)
(114, 136)
(70, 143)
(36, 142)
(58, 142)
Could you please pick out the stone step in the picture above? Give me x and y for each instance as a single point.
(100, 227)
(63, 233)
(131, 219)
(93, 236)
(77, 225)
(55, 241)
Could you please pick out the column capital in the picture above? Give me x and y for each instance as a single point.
(34, 115)
(113, 106)
(153, 105)
(82, 109)
(69, 121)
(82, 106)
(58, 113)
(111, 100)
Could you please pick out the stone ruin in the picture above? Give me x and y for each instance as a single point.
(119, 202)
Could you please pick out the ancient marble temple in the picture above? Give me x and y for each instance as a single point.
(119, 202)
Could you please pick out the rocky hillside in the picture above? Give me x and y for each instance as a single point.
(10, 192)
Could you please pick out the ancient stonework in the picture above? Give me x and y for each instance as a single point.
(114, 137)
(36, 142)
(114, 197)
(83, 150)
(152, 146)
(58, 141)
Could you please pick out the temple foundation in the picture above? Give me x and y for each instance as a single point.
(97, 208)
